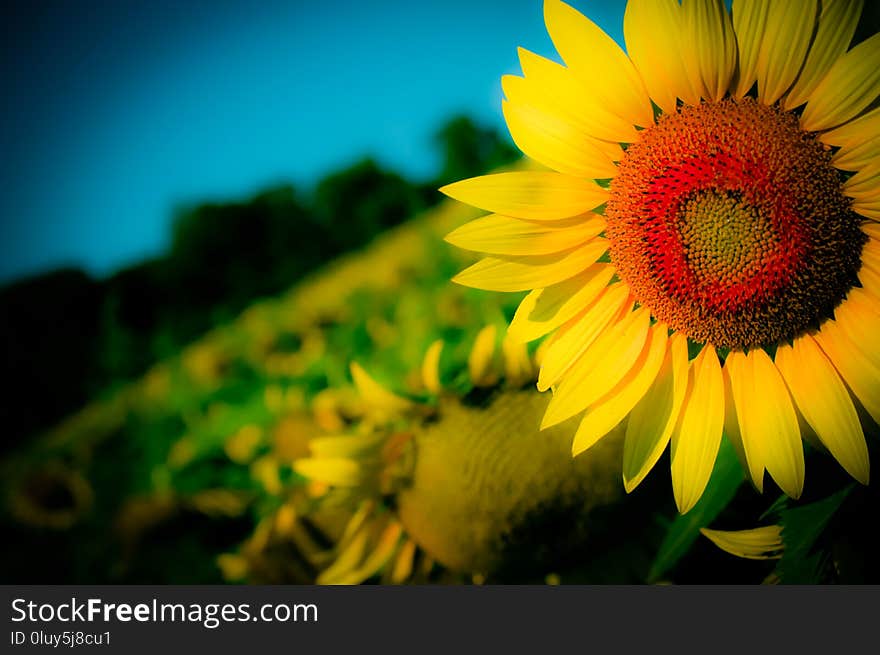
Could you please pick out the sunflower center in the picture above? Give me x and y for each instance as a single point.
(729, 223)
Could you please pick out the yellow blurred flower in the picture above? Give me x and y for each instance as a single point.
(290, 437)
(469, 476)
(241, 446)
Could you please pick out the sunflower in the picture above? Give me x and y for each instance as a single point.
(436, 489)
(53, 496)
(704, 250)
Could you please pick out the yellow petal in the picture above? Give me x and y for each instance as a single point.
(350, 556)
(870, 211)
(652, 29)
(374, 395)
(854, 133)
(789, 28)
(859, 373)
(864, 199)
(556, 144)
(749, 24)
(541, 351)
(871, 256)
(859, 142)
(559, 88)
(766, 415)
(869, 277)
(868, 208)
(534, 195)
(837, 24)
(603, 364)
(303, 539)
(481, 356)
(337, 471)
(518, 367)
(546, 309)
(403, 563)
(502, 235)
(382, 552)
(599, 62)
(859, 318)
(431, 367)
(655, 415)
(710, 53)
(522, 273)
(824, 403)
(757, 543)
(851, 84)
(578, 334)
(356, 523)
(858, 157)
(285, 519)
(872, 231)
(604, 414)
(527, 94)
(697, 434)
(864, 186)
(233, 567)
(737, 380)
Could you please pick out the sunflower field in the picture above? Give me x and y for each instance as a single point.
(645, 353)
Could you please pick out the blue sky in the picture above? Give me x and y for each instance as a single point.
(116, 112)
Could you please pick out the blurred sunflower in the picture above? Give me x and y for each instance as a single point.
(705, 249)
(54, 495)
(459, 483)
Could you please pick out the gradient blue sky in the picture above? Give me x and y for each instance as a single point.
(116, 112)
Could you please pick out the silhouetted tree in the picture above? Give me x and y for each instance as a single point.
(469, 149)
(49, 330)
(357, 203)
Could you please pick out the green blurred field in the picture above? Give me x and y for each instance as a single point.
(141, 486)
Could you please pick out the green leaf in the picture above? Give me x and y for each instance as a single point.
(802, 527)
(727, 476)
(774, 510)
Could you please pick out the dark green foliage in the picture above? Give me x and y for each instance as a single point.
(357, 203)
(727, 477)
(50, 329)
(469, 150)
(802, 526)
(829, 534)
